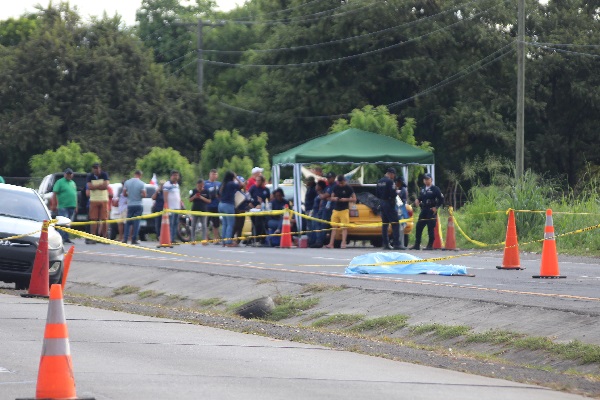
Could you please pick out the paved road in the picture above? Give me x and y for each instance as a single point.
(123, 356)
(578, 293)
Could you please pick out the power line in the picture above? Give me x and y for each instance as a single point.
(482, 63)
(550, 48)
(346, 58)
(464, 72)
(318, 16)
(563, 44)
(287, 9)
(347, 39)
(185, 66)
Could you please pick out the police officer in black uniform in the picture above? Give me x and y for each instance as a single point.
(430, 199)
(386, 192)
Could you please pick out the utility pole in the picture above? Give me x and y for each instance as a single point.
(520, 142)
(199, 48)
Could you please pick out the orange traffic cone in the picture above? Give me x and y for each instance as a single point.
(549, 266)
(286, 233)
(511, 245)
(165, 229)
(437, 235)
(67, 265)
(55, 375)
(450, 235)
(40, 278)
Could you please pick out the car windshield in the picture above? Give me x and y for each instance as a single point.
(24, 205)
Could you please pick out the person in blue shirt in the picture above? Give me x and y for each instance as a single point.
(228, 189)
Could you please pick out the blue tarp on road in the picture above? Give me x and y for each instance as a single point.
(364, 265)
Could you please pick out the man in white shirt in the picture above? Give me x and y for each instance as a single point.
(172, 196)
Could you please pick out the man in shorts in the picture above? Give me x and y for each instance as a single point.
(342, 195)
(97, 191)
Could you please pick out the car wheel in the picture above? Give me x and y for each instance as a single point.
(377, 242)
(256, 308)
(143, 236)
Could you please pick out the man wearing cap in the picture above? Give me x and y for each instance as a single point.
(135, 190)
(342, 195)
(430, 199)
(386, 192)
(256, 172)
(65, 192)
(97, 191)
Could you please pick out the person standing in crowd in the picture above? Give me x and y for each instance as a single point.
(97, 192)
(158, 206)
(65, 192)
(121, 203)
(213, 186)
(309, 200)
(256, 172)
(279, 202)
(241, 206)
(259, 195)
(199, 199)
(229, 188)
(386, 192)
(329, 205)
(317, 235)
(430, 199)
(342, 195)
(135, 190)
(402, 191)
(172, 195)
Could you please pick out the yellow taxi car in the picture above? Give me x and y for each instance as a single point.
(367, 224)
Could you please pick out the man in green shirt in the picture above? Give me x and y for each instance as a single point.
(1, 180)
(65, 191)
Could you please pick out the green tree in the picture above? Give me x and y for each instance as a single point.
(381, 121)
(95, 84)
(230, 150)
(67, 156)
(162, 161)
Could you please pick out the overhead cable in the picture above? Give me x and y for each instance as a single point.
(308, 46)
(489, 59)
(346, 58)
(314, 17)
(550, 48)
(482, 63)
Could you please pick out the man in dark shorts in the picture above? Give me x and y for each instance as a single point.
(342, 195)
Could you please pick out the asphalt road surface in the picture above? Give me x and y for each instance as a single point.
(124, 356)
(577, 293)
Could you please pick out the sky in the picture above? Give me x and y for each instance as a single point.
(125, 8)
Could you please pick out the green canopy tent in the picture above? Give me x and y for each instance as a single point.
(352, 146)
